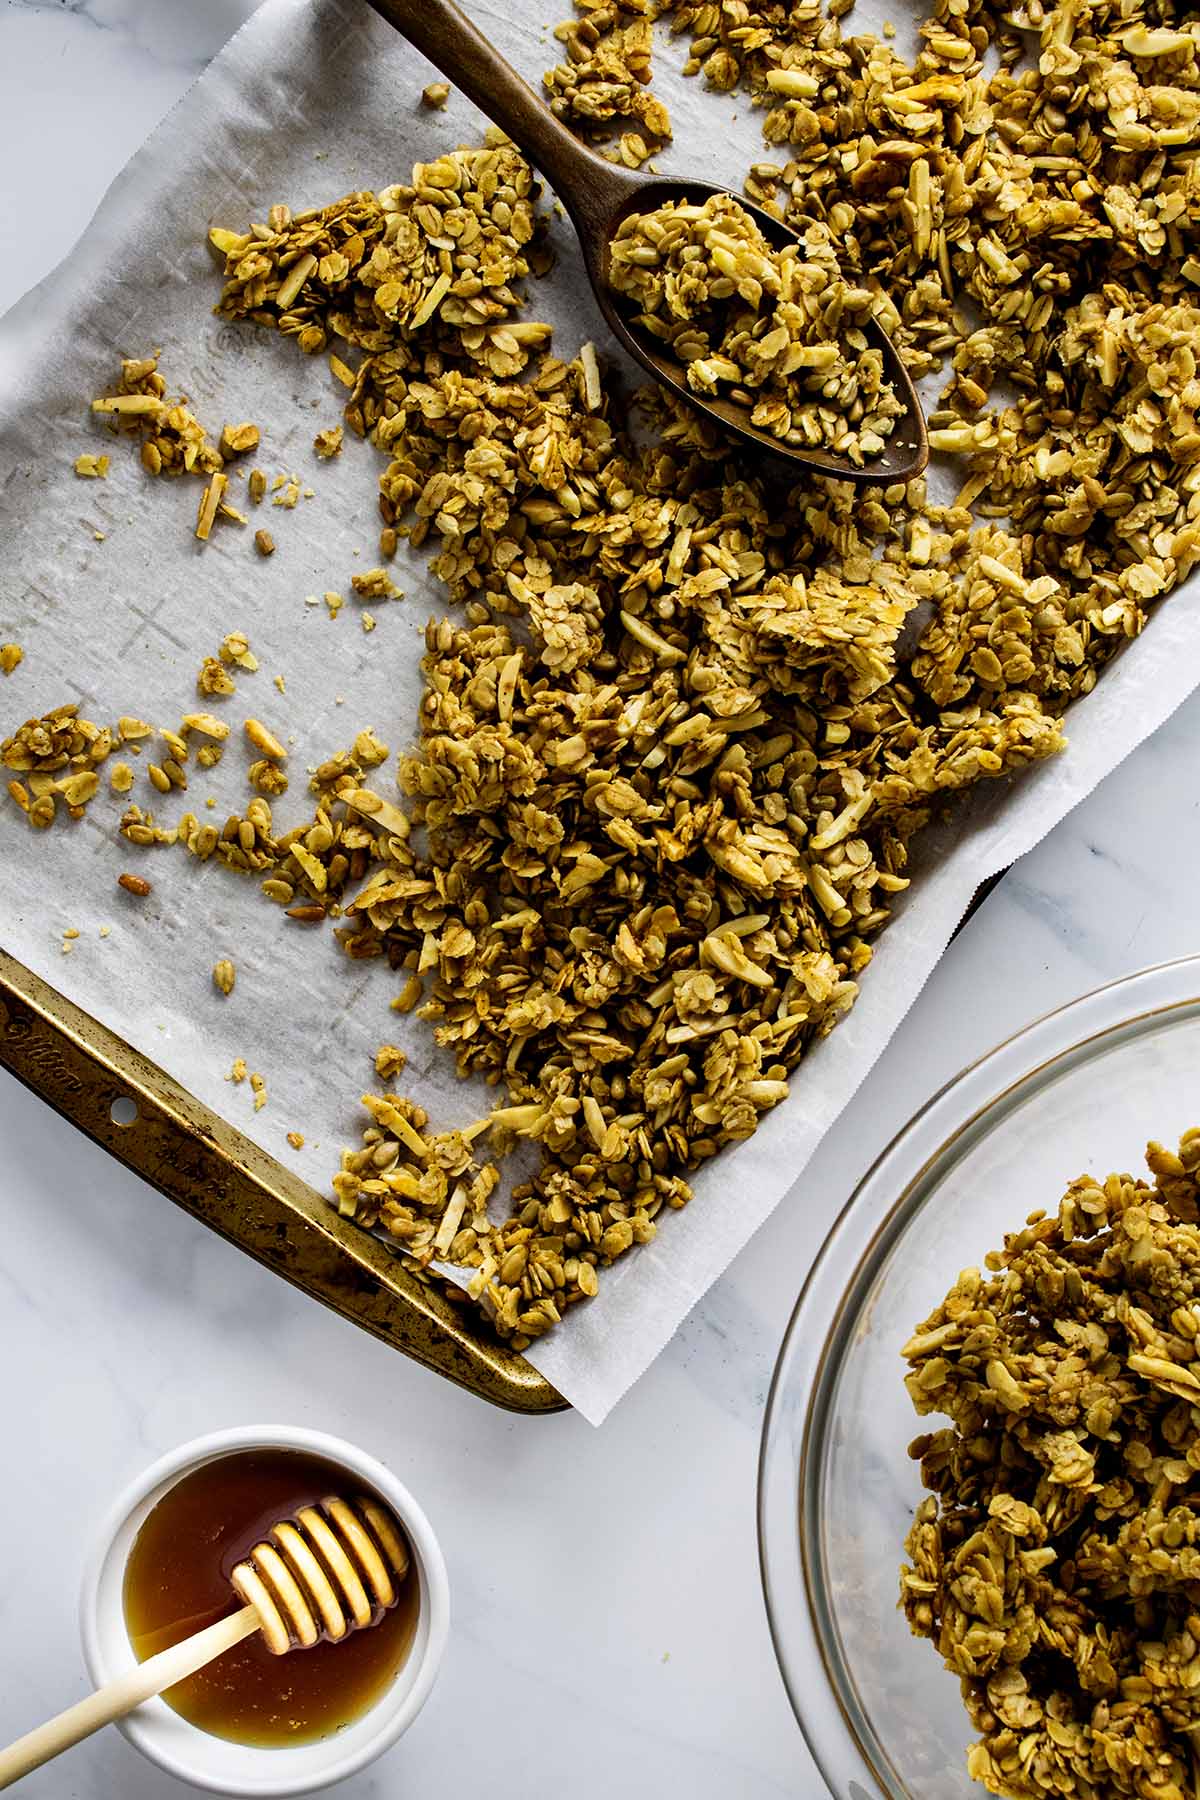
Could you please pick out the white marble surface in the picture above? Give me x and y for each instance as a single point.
(605, 1584)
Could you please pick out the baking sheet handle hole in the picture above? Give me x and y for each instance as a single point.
(123, 1110)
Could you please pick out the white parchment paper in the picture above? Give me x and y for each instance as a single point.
(311, 99)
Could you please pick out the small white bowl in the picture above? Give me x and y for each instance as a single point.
(242, 1770)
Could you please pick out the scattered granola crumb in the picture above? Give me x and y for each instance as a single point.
(328, 443)
(388, 541)
(368, 621)
(280, 682)
(120, 778)
(134, 884)
(260, 1091)
(390, 1060)
(93, 468)
(105, 931)
(309, 493)
(236, 440)
(237, 1073)
(235, 648)
(375, 584)
(436, 94)
(10, 656)
(288, 491)
(210, 500)
(335, 603)
(206, 723)
(264, 543)
(265, 740)
(256, 485)
(267, 777)
(296, 1139)
(224, 975)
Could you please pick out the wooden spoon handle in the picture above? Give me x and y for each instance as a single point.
(119, 1697)
(590, 188)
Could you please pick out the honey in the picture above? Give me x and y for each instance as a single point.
(177, 1582)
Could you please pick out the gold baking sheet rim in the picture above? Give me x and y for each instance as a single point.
(80, 1067)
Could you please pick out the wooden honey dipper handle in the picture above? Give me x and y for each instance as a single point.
(116, 1698)
(326, 1572)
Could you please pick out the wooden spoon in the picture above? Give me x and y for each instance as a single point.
(320, 1575)
(598, 195)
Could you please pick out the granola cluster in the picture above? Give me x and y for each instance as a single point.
(173, 440)
(436, 259)
(603, 84)
(779, 331)
(55, 758)
(1055, 1563)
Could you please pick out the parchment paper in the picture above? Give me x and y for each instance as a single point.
(311, 99)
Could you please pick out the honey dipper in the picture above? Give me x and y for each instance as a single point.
(322, 1573)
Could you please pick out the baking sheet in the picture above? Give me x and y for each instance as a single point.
(311, 99)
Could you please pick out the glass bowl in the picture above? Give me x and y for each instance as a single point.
(1079, 1092)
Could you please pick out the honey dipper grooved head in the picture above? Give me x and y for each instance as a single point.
(328, 1570)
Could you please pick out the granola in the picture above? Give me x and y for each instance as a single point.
(239, 440)
(669, 770)
(173, 441)
(601, 88)
(781, 332)
(1053, 1563)
(52, 759)
(677, 743)
(372, 270)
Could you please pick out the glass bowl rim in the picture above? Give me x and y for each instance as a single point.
(853, 1248)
